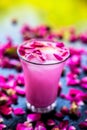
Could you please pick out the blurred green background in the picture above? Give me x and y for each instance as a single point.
(56, 13)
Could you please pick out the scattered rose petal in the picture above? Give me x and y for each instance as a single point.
(83, 125)
(50, 122)
(33, 117)
(72, 128)
(20, 91)
(19, 111)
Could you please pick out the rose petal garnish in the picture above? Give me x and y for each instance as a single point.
(72, 128)
(19, 111)
(20, 91)
(33, 117)
(50, 122)
(60, 44)
(58, 57)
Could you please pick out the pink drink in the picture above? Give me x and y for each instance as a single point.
(42, 63)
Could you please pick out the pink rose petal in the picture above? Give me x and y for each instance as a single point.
(83, 125)
(50, 122)
(24, 126)
(20, 91)
(19, 111)
(58, 57)
(33, 117)
(72, 128)
(2, 126)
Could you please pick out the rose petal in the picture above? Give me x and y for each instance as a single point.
(58, 57)
(33, 117)
(83, 125)
(20, 91)
(19, 111)
(72, 128)
(50, 122)
(2, 126)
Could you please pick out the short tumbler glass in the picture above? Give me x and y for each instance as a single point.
(41, 84)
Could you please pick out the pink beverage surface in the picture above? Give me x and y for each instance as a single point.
(42, 74)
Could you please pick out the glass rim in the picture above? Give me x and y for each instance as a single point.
(40, 63)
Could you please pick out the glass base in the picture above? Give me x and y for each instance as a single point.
(41, 110)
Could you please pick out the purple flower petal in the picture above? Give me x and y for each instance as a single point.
(33, 117)
(19, 111)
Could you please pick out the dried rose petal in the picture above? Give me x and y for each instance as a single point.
(64, 125)
(73, 38)
(39, 127)
(3, 99)
(1, 119)
(72, 128)
(33, 117)
(2, 126)
(20, 79)
(83, 82)
(65, 110)
(20, 91)
(59, 115)
(19, 111)
(50, 122)
(58, 57)
(5, 110)
(74, 95)
(24, 126)
(59, 88)
(60, 44)
(83, 125)
(83, 37)
(55, 128)
(73, 107)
